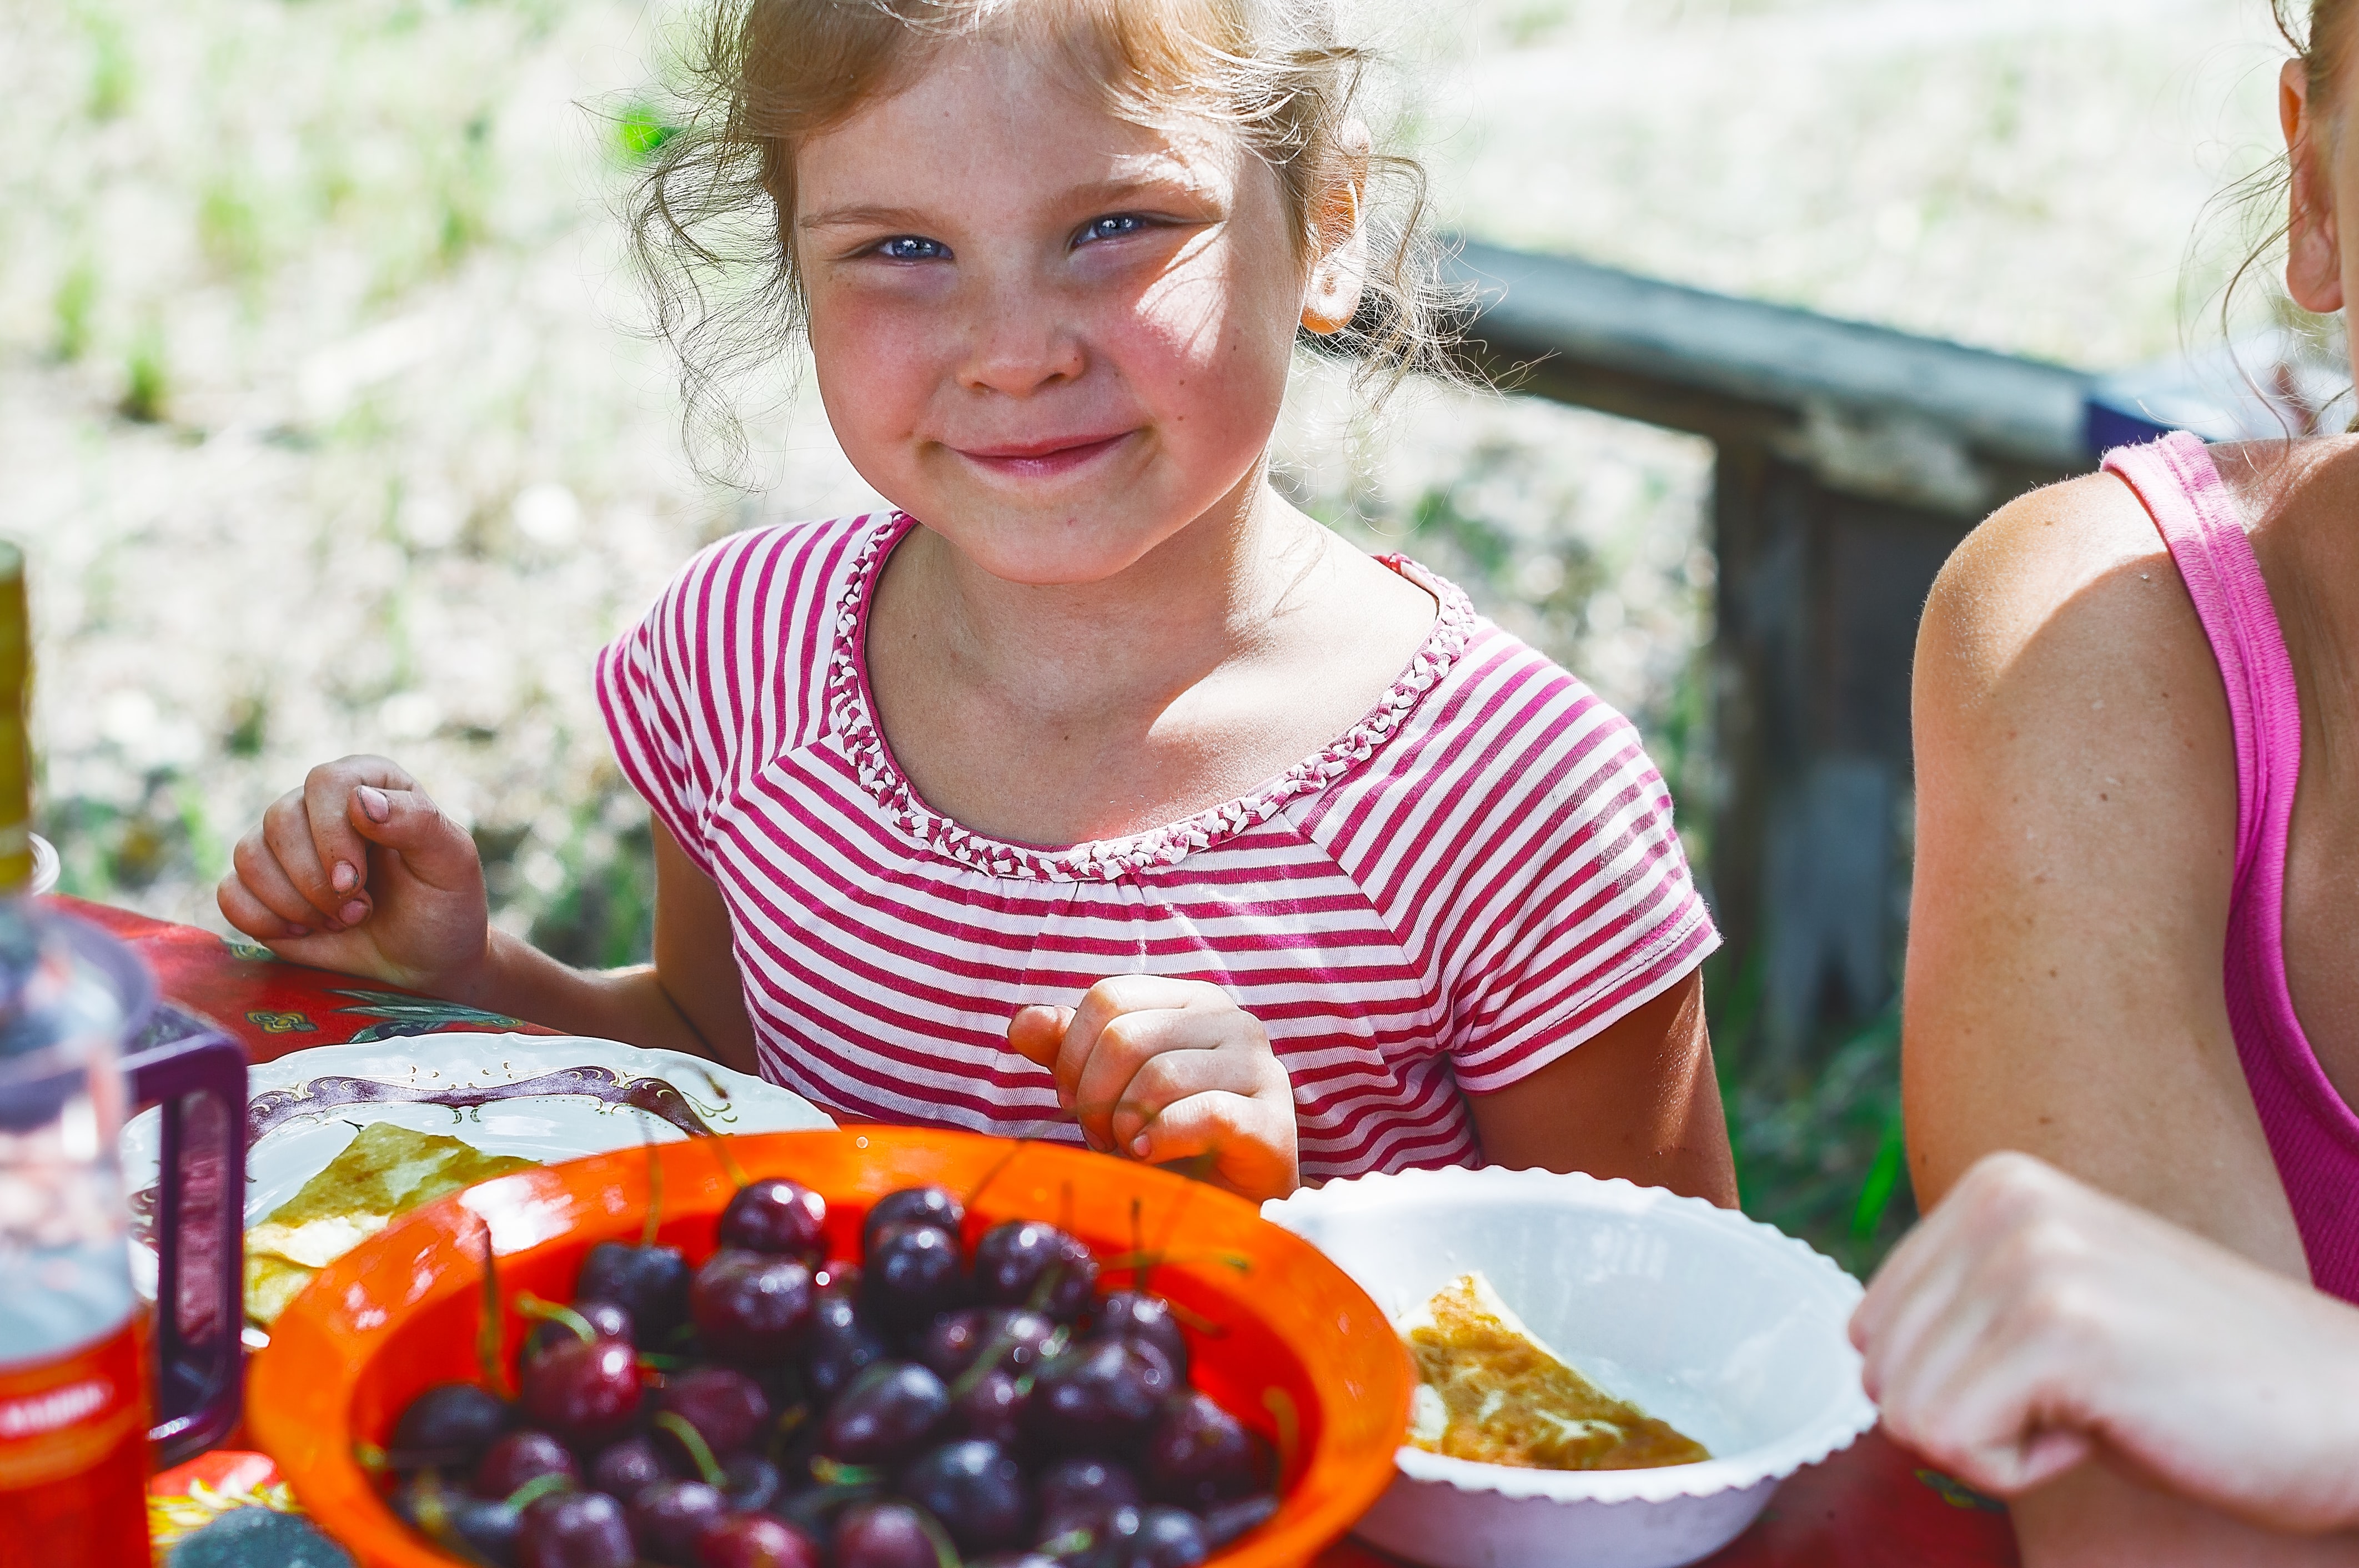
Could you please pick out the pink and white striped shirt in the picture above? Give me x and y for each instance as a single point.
(1476, 877)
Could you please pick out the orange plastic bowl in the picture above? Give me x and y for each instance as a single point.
(1304, 1358)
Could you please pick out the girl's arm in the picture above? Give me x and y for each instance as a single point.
(1638, 1099)
(2076, 818)
(359, 871)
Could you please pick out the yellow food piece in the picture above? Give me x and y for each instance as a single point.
(1490, 1392)
(386, 1170)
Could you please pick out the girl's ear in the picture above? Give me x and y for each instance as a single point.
(2313, 252)
(1341, 270)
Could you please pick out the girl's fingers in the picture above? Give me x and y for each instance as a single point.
(432, 847)
(1165, 1080)
(257, 873)
(339, 852)
(1114, 997)
(249, 914)
(1250, 1142)
(289, 844)
(1037, 1033)
(1124, 1046)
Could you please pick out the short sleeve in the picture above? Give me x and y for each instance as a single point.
(728, 668)
(1570, 903)
(643, 680)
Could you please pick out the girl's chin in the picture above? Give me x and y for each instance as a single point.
(1064, 549)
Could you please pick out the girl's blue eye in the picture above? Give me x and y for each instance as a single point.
(911, 247)
(1113, 227)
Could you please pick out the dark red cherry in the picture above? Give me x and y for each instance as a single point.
(586, 1391)
(1024, 1263)
(449, 1426)
(649, 1282)
(622, 1469)
(991, 1405)
(605, 1318)
(778, 1217)
(1099, 1396)
(913, 1272)
(918, 1205)
(757, 1541)
(886, 1416)
(751, 1482)
(1084, 1486)
(576, 1530)
(976, 1490)
(1139, 1315)
(1198, 1454)
(1225, 1522)
(666, 1517)
(883, 1535)
(476, 1525)
(727, 1409)
(1014, 1338)
(751, 1307)
(522, 1456)
(844, 1339)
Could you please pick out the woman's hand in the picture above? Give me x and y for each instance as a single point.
(2031, 1321)
(358, 871)
(1164, 1070)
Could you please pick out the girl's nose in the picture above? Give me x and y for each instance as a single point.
(1021, 345)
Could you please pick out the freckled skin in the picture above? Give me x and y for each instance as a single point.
(2076, 823)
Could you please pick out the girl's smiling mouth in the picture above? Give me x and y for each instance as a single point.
(1052, 458)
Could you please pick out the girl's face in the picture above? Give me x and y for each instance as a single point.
(1054, 337)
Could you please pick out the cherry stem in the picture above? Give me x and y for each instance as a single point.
(489, 1339)
(946, 1554)
(699, 1453)
(835, 1473)
(371, 1458)
(533, 1307)
(729, 1166)
(1138, 1247)
(540, 1486)
(997, 1166)
(1280, 1406)
(655, 1184)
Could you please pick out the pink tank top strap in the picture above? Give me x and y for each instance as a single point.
(2313, 1136)
(2199, 518)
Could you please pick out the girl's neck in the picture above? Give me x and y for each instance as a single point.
(1073, 651)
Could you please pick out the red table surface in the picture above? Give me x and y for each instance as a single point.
(1872, 1505)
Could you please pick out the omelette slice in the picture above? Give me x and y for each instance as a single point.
(386, 1170)
(1490, 1391)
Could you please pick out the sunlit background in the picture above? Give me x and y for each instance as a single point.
(323, 412)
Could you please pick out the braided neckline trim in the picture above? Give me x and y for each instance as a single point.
(851, 718)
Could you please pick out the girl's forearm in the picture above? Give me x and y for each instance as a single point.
(629, 1005)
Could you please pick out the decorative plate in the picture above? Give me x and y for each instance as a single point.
(544, 1097)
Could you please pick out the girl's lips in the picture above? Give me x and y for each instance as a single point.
(1042, 460)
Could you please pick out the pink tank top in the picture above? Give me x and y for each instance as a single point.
(2312, 1133)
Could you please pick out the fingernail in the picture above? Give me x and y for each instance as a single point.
(1138, 1147)
(345, 878)
(299, 930)
(354, 912)
(373, 805)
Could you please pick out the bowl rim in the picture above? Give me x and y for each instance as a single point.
(301, 1389)
(1835, 1425)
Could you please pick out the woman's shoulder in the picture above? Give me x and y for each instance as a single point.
(2059, 597)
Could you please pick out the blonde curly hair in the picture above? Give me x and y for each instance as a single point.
(710, 218)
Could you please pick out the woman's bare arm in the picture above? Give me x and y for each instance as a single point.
(1637, 1100)
(2075, 846)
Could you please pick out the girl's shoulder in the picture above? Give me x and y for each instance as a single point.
(781, 572)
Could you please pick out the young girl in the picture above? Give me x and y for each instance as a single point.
(1097, 792)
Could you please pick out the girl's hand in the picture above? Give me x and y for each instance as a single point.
(2031, 1321)
(1164, 1070)
(358, 871)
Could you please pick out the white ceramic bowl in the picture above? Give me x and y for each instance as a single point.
(1727, 1328)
